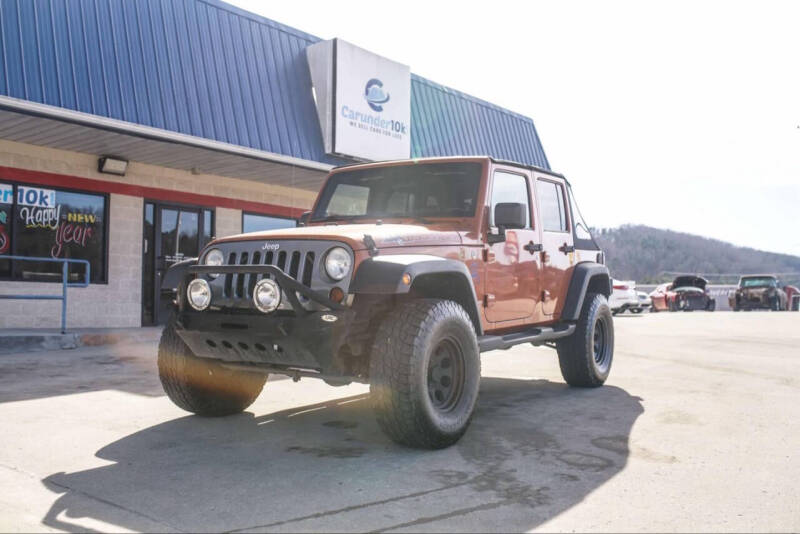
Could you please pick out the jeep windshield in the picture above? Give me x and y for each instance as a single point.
(763, 281)
(416, 191)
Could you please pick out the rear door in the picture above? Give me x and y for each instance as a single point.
(558, 254)
(512, 266)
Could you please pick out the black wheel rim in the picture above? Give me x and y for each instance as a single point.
(446, 375)
(600, 343)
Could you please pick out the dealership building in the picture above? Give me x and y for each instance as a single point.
(132, 133)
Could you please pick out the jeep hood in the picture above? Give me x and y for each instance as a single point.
(384, 235)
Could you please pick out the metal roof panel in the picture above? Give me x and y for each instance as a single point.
(208, 69)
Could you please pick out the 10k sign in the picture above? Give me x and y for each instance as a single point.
(33, 196)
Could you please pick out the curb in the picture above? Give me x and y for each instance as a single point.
(14, 343)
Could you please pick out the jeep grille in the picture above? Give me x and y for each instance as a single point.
(297, 264)
(300, 259)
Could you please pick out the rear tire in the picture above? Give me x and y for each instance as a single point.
(203, 386)
(425, 373)
(585, 357)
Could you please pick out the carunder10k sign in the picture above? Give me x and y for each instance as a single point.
(372, 105)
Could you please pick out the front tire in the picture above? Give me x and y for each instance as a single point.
(425, 373)
(203, 386)
(585, 357)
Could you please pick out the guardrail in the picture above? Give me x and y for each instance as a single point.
(64, 283)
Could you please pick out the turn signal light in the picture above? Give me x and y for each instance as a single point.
(337, 295)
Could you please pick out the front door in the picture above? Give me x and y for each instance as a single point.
(558, 255)
(512, 268)
(171, 234)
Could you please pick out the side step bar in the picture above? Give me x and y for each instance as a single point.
(537, 336)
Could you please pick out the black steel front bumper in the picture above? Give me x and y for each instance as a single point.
(282, 340)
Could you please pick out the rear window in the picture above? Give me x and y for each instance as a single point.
(551, 206)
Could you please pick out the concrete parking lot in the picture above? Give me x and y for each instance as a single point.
(698, 428)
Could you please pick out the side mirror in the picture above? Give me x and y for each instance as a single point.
(510, 215)
(304, 218)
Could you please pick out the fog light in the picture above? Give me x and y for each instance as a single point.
(198, 293)
(266, 295)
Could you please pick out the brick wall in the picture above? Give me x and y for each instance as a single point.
(116, 304)
(229, 222)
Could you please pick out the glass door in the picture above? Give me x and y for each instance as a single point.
(171, 234)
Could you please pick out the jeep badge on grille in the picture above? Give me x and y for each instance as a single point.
(271, 246)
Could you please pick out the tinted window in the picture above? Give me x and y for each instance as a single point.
(52, 223)
(764, 281)
(404, 191)
(508, 187)
(252, 222)
(551, 204)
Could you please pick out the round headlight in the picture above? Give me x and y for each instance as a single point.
(266, 295)
(198, 293)
(337, 263)
(214, 257)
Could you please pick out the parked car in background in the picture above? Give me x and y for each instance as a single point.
(623, 297)
(685, 293)
(792, 298)
(759, 292)
(644, 302)
(658, 298)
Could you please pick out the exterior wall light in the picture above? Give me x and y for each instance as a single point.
(112, 165)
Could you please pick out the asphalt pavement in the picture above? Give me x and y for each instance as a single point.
(697, 429)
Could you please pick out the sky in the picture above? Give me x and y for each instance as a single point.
(678, 115)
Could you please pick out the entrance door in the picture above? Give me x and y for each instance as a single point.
(559, 250)
(171, 234)
(512, 269)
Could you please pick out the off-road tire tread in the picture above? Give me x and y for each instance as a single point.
(393, 392)
(576, 366)
(234, 390)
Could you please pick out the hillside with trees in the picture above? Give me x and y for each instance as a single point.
(644, 254)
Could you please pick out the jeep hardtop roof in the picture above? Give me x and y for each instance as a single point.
(453, 158)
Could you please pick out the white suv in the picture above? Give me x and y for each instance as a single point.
(624, 297)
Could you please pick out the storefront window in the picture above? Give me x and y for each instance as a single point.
(52, 223)
(252, 222)
(6, 215)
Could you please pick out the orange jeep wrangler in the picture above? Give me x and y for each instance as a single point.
(400, 276)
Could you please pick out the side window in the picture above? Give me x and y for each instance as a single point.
(508, 187)
(581, 228)
(551, 203)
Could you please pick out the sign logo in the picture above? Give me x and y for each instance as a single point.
(375, 95)
(271, 246)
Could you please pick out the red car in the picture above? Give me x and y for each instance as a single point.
(792, 298)
(685, 293)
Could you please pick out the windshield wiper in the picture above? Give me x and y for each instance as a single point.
(332, 218)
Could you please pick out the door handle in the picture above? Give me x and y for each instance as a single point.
(533, 247)
(566, 249)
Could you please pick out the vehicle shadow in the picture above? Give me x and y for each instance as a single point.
(535, 449)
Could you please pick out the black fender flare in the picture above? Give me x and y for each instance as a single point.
(582, 276)
(383, 275)
(176, 272)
